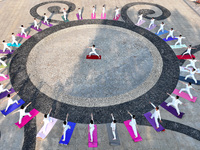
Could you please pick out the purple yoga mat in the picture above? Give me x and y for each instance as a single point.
(36, 28)
(6, 52)
(49, 25)
(140, 23)
(151, 28)
(152, 122)
(4, 94)
(172, 110)
(77, 15)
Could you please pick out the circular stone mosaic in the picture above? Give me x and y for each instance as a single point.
(129, 67)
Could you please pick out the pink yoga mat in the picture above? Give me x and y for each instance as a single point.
(117, 18)
(93, 17)
(95, 142)
(48, 129)
(23, 36)
(26, 119)
(2, 78)
(184, 95)
(103, 17)
(130, 130)
(140, 23)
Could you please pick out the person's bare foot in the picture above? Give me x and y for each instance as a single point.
(157, 127)
(114, 139)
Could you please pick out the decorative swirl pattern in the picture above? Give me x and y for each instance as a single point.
(165, 12)
(52, 9)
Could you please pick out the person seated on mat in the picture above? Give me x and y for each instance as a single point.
(187, 89)
(179, 41)
(152, 22)
(10, 101)
(192, 73)
(188, 51)
(113, 126)
(23, 30)
(46, 121)
(156, 115)
(5, 46)
(2, 89)
(140, 18)
(171, 33)
(133, 124)
(91, 128)
(116, 12)
(175, 102)
(22, 112)
(161, 27)
(93, 51)
(65, 128)
(14, 39)
(103, 10)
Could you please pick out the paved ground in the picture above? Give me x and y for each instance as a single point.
(180, 133)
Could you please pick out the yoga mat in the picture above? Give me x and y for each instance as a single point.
(2, 66)
(2, 78)
(69, 133)
(178, 46)
(14, 45)
(161, 33)
(130, 130)
(36, 28)
(23, 36)
(48, 129)
(4, 94)
(12, 107)
(185, 57)
(172, 110)
(170, 39)
(152, 122)
(49, 25)
(151, 28)
(95, 142)
(64, 19)
(103, 17)
(184, 95)
(6, 52)
(189, 80)
(183, 69)
(117, 18)
(92, 16)
(110, 136)
(93, 57)
(26, 118)
(140, 23)
(77, 15)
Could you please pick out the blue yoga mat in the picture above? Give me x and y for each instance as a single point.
(12, 107)
(160, 33)
(189, 80)
(14, 45)
(170, 39)
(68, 134)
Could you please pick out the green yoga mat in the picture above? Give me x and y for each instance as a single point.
(64, 19)
(177, 46)
(4, 66)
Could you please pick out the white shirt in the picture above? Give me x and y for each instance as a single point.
(192, 72)
(93, 10)
(91, 126)
(180, 38)
(162, 26)
(189, 50)
(13, 37)
(93, 49)
(192, 62)
(64, 12)
(10, 101)
(117, 11)
(66, 127)
(104, 9)
(22, 111)
(113, 125)
(188, 87)
(1, 87)
(22, 29)
(35, 22)
(132, 122)
(175, 101)
(140, 16)
(45, 17)
(171, 32)
(152, 21)
(46, 120)
(156, 113)
(4, 44)
(79, 12)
